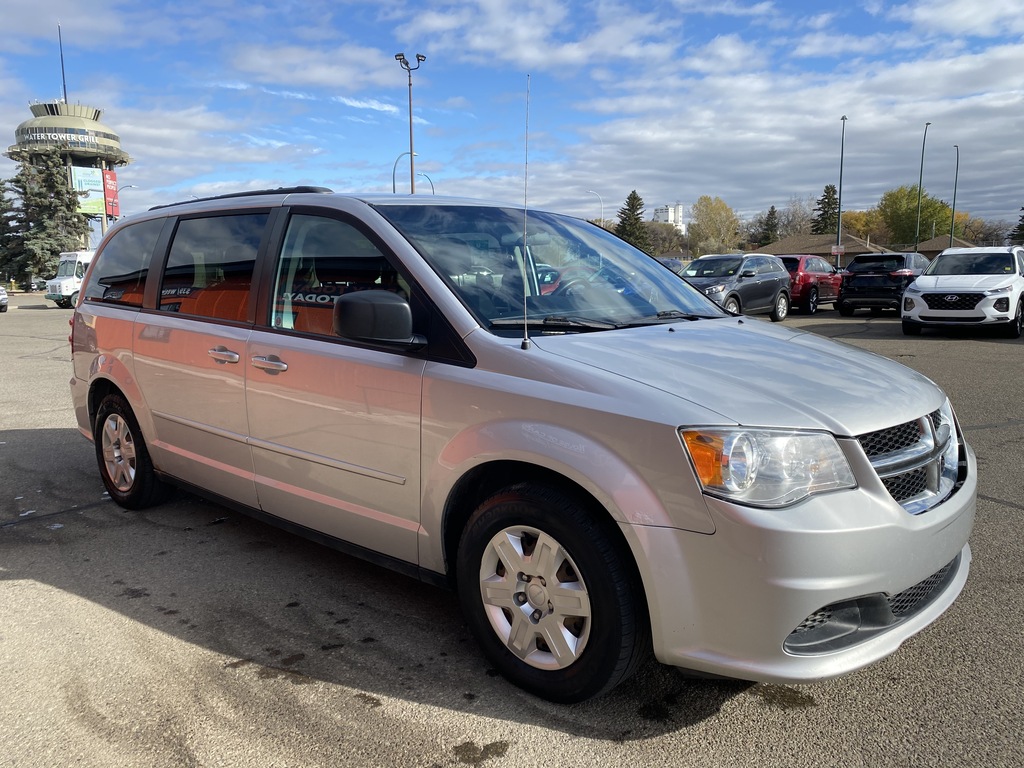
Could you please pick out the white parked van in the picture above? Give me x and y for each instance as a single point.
(64, 286)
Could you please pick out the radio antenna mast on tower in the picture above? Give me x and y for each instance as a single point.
(63, 79)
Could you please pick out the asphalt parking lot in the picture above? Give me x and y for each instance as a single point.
(191, 635)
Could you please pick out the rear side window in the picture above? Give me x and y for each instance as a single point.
(210, 266)
(119, 276)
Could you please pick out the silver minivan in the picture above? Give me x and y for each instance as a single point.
(603, 462)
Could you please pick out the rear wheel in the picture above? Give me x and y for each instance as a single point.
(547, 592)
(123, 458)
(845, 309)
(781, 309)
(811, 305)
(911, 329)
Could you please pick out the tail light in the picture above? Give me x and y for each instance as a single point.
(902, 273)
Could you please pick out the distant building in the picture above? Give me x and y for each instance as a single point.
(90, 150)
(672, 214)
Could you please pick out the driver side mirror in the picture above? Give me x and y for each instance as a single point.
(376, 316)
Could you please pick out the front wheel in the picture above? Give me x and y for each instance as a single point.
(781, 309)
(1016, 326)
(123, 458)
(732, 305)
(548, 594)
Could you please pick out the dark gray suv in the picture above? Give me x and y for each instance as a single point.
(876, 281)
(751, 283)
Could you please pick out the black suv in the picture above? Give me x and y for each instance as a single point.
(876, 281)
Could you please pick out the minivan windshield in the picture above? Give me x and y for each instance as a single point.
(971, 264)
(571, 277)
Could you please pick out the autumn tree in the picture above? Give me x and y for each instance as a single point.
(714, 226)
(984, 232)
(664, 238)
(826, 212)
(631, 222)
(43, 220)
(795, 218)
(897, 208)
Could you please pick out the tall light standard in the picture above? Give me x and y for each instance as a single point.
(428, 179)
(395, 168)
(420, 58)
(592, 192)
(920, 181)
(839, 224)
(956, 175)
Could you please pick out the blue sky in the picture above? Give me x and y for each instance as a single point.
(673, 98)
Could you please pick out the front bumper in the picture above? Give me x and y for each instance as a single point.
(735, 602)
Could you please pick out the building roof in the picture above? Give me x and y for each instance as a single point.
(821, 245)
(931, 248)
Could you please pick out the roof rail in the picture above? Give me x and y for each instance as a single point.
(251, 193)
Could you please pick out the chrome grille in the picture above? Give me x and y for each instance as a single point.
(952, 300)
(916, 461)
(890, 440)
(907, 484)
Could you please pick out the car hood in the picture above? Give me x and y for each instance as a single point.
(962, 282)
(704, 282)
(756, 374)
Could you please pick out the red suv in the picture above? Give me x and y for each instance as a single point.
(813, 281)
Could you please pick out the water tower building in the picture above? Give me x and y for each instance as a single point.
(90, 150)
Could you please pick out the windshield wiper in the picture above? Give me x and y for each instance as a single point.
(670, 315)
(554, 323)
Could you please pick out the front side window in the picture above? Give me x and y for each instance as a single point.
(322, 259)
(210, 266)
(119, 276)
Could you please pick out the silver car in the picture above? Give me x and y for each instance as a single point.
(3, 299)
(602, 469)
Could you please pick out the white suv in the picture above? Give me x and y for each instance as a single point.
(600, 464)
(968, 287)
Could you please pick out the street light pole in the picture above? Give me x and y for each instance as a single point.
(404, 62)
(920, 181)
(839, 225)
(428, 179)
(956, 175)
(592, 192)
(395, 168)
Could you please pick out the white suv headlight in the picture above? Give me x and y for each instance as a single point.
(766, 468)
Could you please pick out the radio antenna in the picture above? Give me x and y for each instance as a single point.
(526, 185)
(63, 78)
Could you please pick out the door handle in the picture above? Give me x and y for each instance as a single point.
(223, 355)
(271, 364)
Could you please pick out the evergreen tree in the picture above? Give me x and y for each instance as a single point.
(631, 223)
(44, 222)
(826, 219)
(1017, 235)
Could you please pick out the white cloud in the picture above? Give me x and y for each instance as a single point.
(990, 18)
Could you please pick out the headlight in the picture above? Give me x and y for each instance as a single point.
(714, 289)
(998, 291)
(766, 468)
(912, 288)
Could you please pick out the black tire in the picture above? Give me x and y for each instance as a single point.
(811, 303)
(780, 310)
(73, 302)
(1016, 326)
(845, 309)
(123, 458)
(876, 311)
(508, 600)
(732, 304)
(911, 329)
